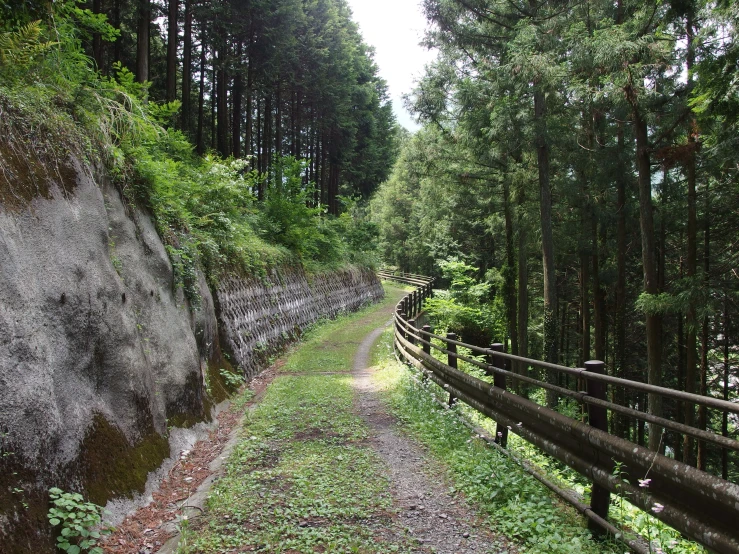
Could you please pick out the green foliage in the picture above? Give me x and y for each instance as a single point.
(466, 308)
(78, 522)
(233, 380)
(19, 49)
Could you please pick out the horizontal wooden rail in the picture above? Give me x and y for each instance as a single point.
(698, 504)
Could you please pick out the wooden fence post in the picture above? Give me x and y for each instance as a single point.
(413, 328)
(398, 316)
(451, 361)
(600, 498)
(426, 348)
(499, 380)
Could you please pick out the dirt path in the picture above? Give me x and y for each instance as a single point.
(420, 514)
(437, 520)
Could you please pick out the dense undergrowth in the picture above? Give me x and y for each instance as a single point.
(56, 105)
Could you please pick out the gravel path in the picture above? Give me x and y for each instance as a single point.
(439, 521)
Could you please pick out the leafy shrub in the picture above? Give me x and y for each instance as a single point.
(78, 522)
(466, 308)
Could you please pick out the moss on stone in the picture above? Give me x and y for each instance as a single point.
(111, 466)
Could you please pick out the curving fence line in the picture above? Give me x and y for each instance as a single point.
(700, 505)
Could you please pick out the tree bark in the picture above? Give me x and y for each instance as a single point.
(236, 111)
(621, 425)
(142, 41)
(201, 96)
(702, 415)
(97, 39)
(172, 40)
(523, 295)
(653, 320)
(547, 240)
(725, 415)
(691, 343)
(510, 277)
(187, 69)
(117, 25)
(223, 79)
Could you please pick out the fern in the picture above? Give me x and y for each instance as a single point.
(18, 49)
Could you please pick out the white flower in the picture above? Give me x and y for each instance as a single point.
(657, 508)
(500, 434)
(644, 483)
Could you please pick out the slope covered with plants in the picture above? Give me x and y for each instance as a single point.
(270, 123)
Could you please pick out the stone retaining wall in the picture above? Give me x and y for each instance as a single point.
(258, 317)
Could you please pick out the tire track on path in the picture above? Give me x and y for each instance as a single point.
(438, 521)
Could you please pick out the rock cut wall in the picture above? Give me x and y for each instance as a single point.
(259, 316)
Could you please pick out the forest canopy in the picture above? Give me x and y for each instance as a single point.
(581, 159)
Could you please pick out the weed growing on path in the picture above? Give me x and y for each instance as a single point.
(517, 505)
(303, 478)
(331, 345)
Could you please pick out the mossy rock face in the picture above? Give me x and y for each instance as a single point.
(110, 466)
(37, 149)
(24, 528)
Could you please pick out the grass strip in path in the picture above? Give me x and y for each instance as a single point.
(330, 346)
(303, 477)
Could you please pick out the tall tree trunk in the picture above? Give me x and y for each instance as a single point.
(213, 102)
(142, 41)
(324, 172)
(621, 424)
(249, 110)
(117, 25)
(702, 415)
(97, 39)
(267, 142)
(201, 96)
(510, 276)
(236, 109)
(278, 120)
(599, 300)
(187, 69)
(260, 157)
(172, 40)
(278, 130)
(223, 79)
(691, 359)
(547, 240)
(725, 415)
(523, 294)
(653, 320)
(585, 262)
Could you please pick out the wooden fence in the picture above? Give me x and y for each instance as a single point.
(702, 506)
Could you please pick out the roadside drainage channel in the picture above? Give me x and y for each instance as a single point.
(194, 506)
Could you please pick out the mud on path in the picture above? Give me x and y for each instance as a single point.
(437, 520)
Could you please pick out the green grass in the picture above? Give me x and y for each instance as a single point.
(330, 346)
(303, 478)
(516, 505)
